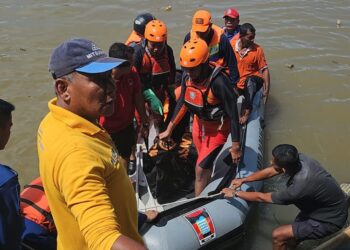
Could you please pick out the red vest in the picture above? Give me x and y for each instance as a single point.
(155, 66)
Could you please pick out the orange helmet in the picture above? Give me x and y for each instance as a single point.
(193, 53)
(156, 31)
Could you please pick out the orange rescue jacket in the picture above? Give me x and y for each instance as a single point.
(35, 206)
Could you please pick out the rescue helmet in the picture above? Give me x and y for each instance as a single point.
(141, 21)
(193, 53)
(156, 31)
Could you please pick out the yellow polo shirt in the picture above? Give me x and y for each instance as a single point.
(89, 193)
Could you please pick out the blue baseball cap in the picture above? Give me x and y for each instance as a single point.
(81, 55)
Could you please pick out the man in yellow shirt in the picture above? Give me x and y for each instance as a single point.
(89, 193)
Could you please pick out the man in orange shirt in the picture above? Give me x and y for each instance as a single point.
(252, 68)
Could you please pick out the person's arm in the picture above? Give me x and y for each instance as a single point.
(226, 52)
(263, 68)
(140, 107)
(179, 113)
(223, 91)
(145, 79)
(138, 98)
(248, 196)
(172, 65)
(266, 85)
(81, 182)
(252, 196)
(138, 57)
(257, 176)
(124, 242)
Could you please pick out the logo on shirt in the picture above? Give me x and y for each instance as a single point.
(192, 95)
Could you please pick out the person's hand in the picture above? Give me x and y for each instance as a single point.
(154, 102)
(164, 134)
(228, 192)
(235, 152)
(236, 183)
(151, 215)
(244, 117)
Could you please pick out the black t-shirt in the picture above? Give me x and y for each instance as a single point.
(315, 192)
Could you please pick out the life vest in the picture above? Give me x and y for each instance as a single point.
(214, 44)
(35, 206)
(133, 39)
(157, 73)
(156, 70)
(196, 99)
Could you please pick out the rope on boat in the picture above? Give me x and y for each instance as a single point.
(183, 201)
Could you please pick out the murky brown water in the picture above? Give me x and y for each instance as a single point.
(309, 104)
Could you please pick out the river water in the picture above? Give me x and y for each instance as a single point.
(309, 102)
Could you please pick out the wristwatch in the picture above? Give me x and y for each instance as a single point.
(236, 193)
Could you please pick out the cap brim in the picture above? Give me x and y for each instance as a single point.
(233, 17)
(101, 65)
(200, 28)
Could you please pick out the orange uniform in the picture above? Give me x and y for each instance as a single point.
(251, 62)
(133, 39)
(35, 206)
(213, 104)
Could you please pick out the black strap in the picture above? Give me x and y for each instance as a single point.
(34, 186)
(47, 215)
(214, 74)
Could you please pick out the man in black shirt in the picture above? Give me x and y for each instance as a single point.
(322, 203)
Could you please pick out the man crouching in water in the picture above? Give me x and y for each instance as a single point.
(207, 93)
(322, 203)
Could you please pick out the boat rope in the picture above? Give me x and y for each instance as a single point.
(185, 200)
